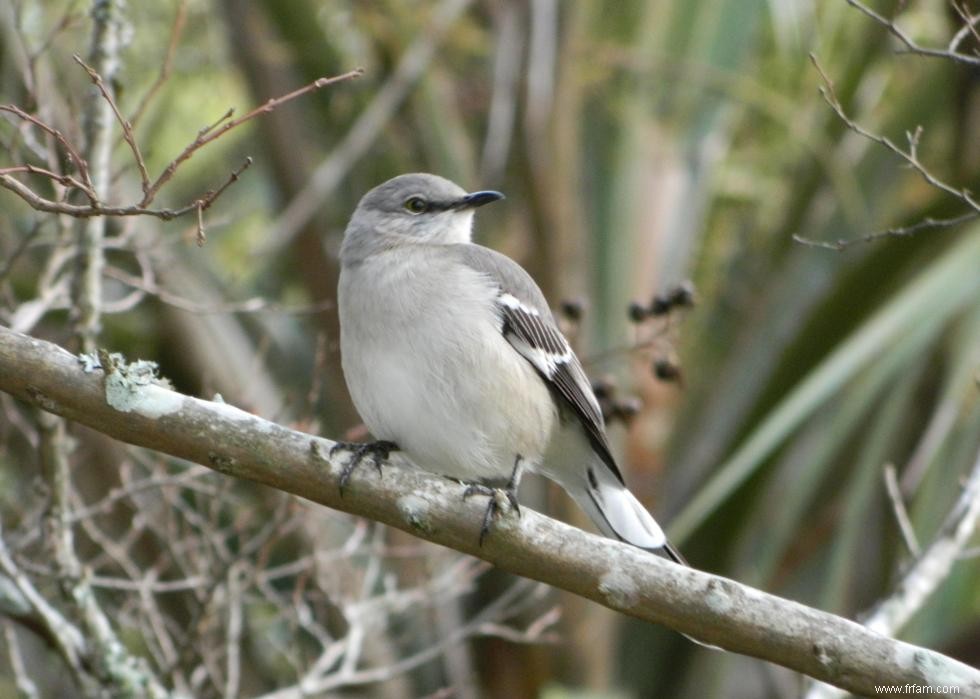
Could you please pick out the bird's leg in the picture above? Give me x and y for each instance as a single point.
(515, 480)
(494, 506)
(378, 451)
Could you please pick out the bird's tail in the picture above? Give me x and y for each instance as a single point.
(618, 514)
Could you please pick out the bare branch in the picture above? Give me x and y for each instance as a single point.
(933, 566)
(910, 156)
(898, 507)
(73, 157)
(969, 27)
(98, 209)
(127, 128)
(319, 681)
(180, 19)
(26, 688)
(39, 203)
(97, 118)
(891, 614)
(211, 133)
(911, 46)
(710, 608)
(64, 180)
(115, 666)
(928, 223)
(208, 199)
(97, 206)
(64, 635)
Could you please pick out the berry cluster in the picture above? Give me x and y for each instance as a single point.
(681, 296)
(664, 366)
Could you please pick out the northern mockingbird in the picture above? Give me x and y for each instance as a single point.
(452, 356)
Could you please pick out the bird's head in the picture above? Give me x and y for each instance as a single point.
(411, 208)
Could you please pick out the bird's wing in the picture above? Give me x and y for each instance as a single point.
(529, 327)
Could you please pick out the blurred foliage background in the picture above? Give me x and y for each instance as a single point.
(640, 144)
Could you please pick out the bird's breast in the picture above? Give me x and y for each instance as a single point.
(429, 369)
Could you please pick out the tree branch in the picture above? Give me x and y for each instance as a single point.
(218, 129)
(97, 122)
(950, 52)
(911, 158)
(74, 158)
(127, 128)
(92, 186)
(124, 404)
(930, 569)
(166, 67)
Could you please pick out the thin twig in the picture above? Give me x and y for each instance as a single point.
(910, 45)
(935, 563)
(200, 238)
(26, 688)
(180, 19)
(97, 207)
(930, 569)
(73, 157)
(63, 634)
(898, 507)
(927, 223)
(208, 199)
(127, 128)
(205, 137)
(36, 201)
(204, 202)
(64, 180)
(969, 26)
(103, 506)
(217, 122)
(910, 156)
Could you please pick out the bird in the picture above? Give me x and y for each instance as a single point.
(452, 356)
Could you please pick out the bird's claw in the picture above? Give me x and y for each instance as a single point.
(494, 505)
(378, 451)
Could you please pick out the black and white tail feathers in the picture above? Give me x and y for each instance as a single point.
(617, 513)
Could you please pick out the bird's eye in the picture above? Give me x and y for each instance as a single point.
(416, 205)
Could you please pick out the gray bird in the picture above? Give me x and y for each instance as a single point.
(452, 356)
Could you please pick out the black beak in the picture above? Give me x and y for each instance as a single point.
(475, 199)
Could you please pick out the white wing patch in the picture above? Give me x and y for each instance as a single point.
(537, 339)
(511, 302)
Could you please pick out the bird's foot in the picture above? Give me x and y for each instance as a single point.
(378, 451)
(495, 504)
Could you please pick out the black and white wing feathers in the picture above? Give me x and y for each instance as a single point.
(529, 327)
